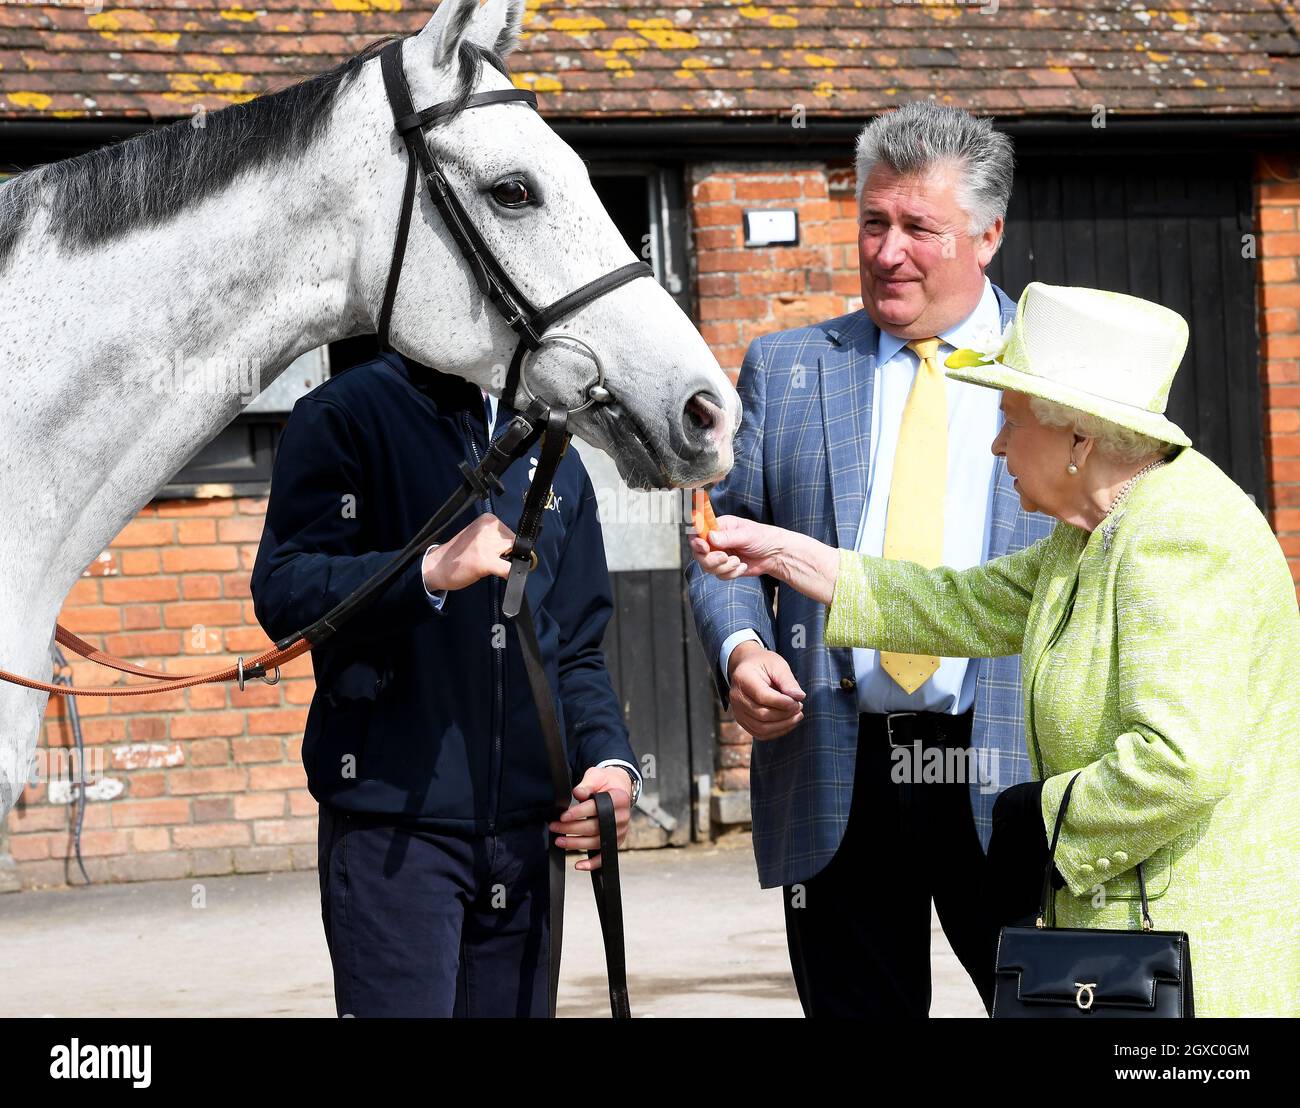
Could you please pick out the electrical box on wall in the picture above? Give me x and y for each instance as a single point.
(772, 228)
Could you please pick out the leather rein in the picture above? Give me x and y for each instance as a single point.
(537, 422)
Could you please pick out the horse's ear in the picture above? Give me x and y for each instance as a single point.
(447, 28)
(492, 24)
(508, 36)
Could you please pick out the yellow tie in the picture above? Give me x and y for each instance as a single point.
(914, 523)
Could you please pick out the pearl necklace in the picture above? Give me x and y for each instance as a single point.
(1119, 499)
(1109, 524)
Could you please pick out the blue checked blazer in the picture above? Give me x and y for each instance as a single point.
(801, 463)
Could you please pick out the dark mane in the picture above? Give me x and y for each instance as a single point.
(151, 178)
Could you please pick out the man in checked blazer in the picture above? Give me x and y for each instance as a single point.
(869, 800)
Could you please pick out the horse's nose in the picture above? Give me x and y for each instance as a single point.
(704, 420)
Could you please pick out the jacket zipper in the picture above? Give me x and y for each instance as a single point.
(498, 668)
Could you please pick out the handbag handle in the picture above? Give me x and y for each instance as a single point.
(1051, 864)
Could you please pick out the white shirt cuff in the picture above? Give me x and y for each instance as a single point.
(437, 599)
(730, 643)
(626, 765)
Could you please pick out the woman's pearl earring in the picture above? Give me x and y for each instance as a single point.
(1072, 469)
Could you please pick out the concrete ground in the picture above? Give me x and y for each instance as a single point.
(703, 940)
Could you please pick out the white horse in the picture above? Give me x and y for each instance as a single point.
(266, 233)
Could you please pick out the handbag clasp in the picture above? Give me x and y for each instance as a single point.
(1084, 987)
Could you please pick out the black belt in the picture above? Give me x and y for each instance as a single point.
(928, 728)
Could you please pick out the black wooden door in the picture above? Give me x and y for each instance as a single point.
(1170, 228)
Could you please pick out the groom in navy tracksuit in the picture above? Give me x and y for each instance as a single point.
(422, 743)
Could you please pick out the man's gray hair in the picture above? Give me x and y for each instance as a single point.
(922, 134)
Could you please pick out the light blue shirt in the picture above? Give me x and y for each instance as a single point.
(973, 421)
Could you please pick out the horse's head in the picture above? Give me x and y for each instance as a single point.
(669, 413)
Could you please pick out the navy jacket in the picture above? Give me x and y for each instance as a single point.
(421, 713)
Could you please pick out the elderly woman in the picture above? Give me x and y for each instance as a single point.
(1160, 643)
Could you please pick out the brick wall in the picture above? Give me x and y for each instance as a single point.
(1277, 191)
(201, 781)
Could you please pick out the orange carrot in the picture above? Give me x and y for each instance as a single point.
(702, 514)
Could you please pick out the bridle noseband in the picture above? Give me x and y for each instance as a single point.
(529, 322)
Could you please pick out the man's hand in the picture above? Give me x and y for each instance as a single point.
(765, 697)
(578, 828)
(471, 555)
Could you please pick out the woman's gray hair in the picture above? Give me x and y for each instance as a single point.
(922, 134)
(1117, 442)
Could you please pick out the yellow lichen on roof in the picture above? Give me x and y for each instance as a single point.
(578, 25)
(536, 82)
(663, 34)
(819, 61)
(783, 21)
(238, 14)
(367, 5)
(36, 101)
(824, 89)
(1156, 57)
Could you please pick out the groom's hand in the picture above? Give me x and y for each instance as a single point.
(765, 697)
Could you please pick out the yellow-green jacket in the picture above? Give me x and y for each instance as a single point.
(1160, 656)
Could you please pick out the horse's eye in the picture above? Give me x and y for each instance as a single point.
(512, 193)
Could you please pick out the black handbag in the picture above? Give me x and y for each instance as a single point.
(1047, 972)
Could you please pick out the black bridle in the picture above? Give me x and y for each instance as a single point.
(536, 422)
(529, 322)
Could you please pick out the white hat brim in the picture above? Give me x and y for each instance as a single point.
(1000, 376)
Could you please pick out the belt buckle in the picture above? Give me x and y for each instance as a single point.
(889, 725)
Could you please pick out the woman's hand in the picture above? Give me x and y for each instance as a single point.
(739, 547)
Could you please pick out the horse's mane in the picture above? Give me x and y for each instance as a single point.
(149, 179)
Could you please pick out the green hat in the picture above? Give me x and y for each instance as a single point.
(1104, 353)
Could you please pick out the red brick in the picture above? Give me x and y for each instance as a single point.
(141, 617)
(785, 188)
(151, 588)
(241, 529)
(173, 701)
(302, 803)
(192, 782)
(208, 752)
(207, 696)
(146, 532)
(1280, 245)
(103, 730)
(1276, 219)
(257, 750)
(86, 620)
(141, 813)
(201, 586)
(146, 728)
(218, 613)
(197, 531)
(190, 558)
(248, 640)
(267, 805)
(713, 188)
(1278, 269)
(202, 724)
(148, 840)
(1280, 296)
(207, 835)
(146, 784)
(136, 563)
(101, 843)
(278, 832)
(155, 866)
(213, 809)
(276, 777)
(30, 848)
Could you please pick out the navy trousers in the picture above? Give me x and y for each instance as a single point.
(422, 923)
